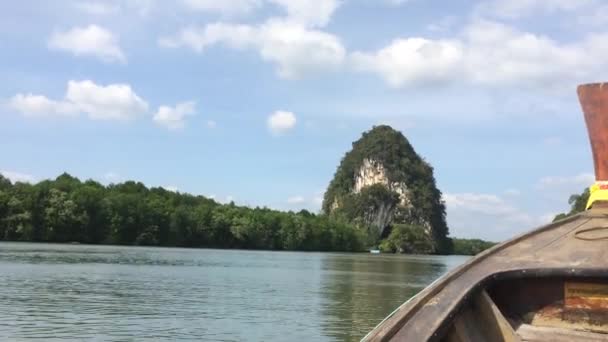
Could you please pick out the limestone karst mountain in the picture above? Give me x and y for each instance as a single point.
(382, 183)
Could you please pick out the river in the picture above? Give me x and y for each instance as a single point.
(80, 292)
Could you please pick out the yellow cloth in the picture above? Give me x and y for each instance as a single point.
(597, 192)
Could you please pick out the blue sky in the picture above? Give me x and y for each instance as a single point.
(256, 101)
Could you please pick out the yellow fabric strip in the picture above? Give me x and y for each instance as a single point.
(597, 192)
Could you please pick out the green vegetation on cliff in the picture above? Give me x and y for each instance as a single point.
(68, 210)
(404, 205)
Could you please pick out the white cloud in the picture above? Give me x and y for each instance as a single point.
(223, 6)
(486, 53)
(18, 176)
(174, 118)
(486, 216)
(299, 51)
(296, 50)
(211, 124)
(92, 40)
(97, 8)
(413, 60)
(39, 105)
(296, 200)
(281, 121)
(581, 180)
(112, 177)
(171, 188)
(198, 38)
(111, 102)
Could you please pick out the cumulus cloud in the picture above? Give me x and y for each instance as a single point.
(40, 105)
(281, 121)
(18, 176)
(173, 118)
(92, 41)
(413, 60)
(486, 216)
(295, 49)
(486, 53)
(111, 102)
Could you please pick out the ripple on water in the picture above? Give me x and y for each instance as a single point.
(52, 291)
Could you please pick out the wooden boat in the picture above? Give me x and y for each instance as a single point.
(550, 284)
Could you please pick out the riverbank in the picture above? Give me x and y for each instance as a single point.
(68, 210)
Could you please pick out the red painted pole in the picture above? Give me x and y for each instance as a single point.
(594, 102)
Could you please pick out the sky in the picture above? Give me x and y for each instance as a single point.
(256, 101)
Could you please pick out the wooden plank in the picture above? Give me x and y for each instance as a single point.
(480, 321)
(492, 321)
(551, 247)
(530, 333)
(466, 327)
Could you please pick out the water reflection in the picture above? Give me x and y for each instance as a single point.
(117, 293)
(361, 290)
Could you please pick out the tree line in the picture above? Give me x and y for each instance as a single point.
(69, 210)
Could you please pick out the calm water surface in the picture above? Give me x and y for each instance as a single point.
(132, 293)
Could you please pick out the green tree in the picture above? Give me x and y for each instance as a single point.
(406, 238)
(66, 209)
(470, 246)
(63, 221)
(577, 203)
(91, 202)
(18, 220)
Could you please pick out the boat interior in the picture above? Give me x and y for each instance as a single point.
(542, 307)
(550, 284)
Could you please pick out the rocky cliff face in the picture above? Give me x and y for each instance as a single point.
(382, 181)
(373, 172)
